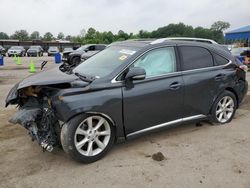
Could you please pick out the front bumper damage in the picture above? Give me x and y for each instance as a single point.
(36, 97)
(40, 122)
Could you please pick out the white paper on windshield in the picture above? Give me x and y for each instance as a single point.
(128, 52)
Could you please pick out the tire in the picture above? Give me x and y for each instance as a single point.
(75, 61)
(224, 108)
(84, 144)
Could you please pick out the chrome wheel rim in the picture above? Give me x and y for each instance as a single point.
(225, 109)
(92, 136)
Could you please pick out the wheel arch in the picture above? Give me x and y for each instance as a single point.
(95, 113)
(235, 94)
(230, 89)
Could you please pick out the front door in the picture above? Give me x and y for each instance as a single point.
(157, 99)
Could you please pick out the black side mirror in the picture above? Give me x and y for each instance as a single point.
(136, 73)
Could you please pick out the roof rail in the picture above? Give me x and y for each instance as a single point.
(184, 39)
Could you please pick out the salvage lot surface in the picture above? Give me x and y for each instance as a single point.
(195, 156)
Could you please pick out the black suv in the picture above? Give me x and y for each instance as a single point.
(74, 58)
(35, 51)
(126, 90)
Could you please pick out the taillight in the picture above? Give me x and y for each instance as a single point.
(243, 67)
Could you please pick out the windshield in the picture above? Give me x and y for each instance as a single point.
(82, 48)
(34, 47)
(65, 49)
(104, 62)
(53, 48)
(16, 47)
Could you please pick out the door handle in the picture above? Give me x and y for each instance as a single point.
(175, 86)
(219, 77)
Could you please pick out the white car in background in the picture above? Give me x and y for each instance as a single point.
(16, 50)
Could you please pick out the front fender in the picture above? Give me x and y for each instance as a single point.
(107, 102)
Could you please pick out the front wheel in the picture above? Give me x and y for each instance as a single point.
(224, 108)
(87, 138)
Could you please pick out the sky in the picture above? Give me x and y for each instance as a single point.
(71, 16)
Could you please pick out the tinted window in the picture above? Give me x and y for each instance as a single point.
(195, 58)
(158, 62)
(219, 60)
(91, 48)
(100, 47)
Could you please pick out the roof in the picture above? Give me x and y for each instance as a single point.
(184, 39)
(240, 30)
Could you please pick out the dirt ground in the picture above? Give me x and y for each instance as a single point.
(195, 156)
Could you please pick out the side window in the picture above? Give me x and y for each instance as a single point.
(99, 47)
(157, 62)
(195, 57)
(91, 48)
(219, 60)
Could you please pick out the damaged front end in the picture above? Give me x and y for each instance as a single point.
(34, 97)
(36, 115)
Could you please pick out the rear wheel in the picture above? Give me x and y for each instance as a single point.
(75, 60)
(87, 138)
(224, 108)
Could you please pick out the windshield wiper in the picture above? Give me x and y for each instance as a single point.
(85, 77)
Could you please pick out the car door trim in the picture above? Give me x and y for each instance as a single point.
(166, 124)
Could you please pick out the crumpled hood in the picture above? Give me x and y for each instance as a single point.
(45, 78)
(49, 77)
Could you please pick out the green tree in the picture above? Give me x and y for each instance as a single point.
(220, 26)
(4, 35)
(48, 36)
(35, 35)
(122, 35)
(91, 34)
(144, 34)
(68, 37)
(60, 35)
(217, 29)
(21, 35)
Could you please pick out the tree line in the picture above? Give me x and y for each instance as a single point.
(215, 32)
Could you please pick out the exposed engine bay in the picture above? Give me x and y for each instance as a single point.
(36, 115)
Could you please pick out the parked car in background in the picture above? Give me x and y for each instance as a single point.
(53, 50)
(67, 50)
(88, 54)
(35, 51)
(16, 50)
(2, 51)
(74, 58)
(129, 89)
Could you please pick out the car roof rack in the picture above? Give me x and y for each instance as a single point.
(157, 41)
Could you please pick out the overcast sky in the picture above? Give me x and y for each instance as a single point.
(70, 16)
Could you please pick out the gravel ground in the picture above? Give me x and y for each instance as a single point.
(191, 155)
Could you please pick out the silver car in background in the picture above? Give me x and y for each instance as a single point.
(16, 50)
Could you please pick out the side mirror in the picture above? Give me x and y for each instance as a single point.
(136, 73)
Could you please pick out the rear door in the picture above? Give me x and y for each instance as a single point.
(157, 99)
(203, 79)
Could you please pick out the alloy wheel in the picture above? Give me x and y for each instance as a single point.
(92, 135)
(225, 109)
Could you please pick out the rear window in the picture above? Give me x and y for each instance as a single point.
(219, 60)
(195, 57)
